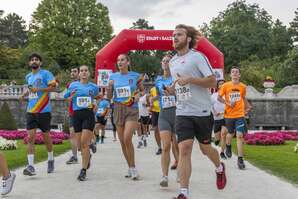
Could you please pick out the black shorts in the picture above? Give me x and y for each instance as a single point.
(144, 120)
(189, 127)
(83, 119)
(218, 124)
(154, 118)
(39, 120)
(101, 120)
(70, 121)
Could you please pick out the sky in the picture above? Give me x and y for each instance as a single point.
(163, 14)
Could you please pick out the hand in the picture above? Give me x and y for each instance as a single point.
(182, 80)
(34, 90)
(111, 84)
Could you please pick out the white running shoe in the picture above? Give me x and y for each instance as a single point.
(128, 175)
(164, 181)
(134, 174)
(7, 184)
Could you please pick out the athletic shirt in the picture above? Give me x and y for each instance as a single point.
(102, 107)
(165, 101)
(83, 95)
(70, 109)
(192, 100)
(125, 87)
(142, 106)
(39, 102)
(217, 106)
(155, 106)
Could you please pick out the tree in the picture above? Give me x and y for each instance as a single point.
(70, 31)
(289, 69)
(142, 24)
(7, 120)
(13, 31)
(294, 27)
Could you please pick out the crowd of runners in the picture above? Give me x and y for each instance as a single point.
(179, 109)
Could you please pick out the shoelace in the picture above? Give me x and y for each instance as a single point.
(3, 183)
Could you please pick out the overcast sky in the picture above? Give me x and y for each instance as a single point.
(163, 14)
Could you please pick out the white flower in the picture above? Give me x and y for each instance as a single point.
(296, 148)
(7, 144)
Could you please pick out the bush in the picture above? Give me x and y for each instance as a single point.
(7, 120)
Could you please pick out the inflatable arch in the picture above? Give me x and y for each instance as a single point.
(128, 40)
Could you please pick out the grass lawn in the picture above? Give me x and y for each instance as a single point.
(279, 160)
(17, 158)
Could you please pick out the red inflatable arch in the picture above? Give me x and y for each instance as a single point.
(128, 40)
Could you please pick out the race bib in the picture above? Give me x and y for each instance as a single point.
(33, 95)
(168, 101)
(235, 97)
(123, 92)
(183, 92)
(84, 102)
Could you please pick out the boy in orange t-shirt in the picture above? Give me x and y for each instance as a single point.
(233, 95)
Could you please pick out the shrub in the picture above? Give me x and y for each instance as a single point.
(7, 120)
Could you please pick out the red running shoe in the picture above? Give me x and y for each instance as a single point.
(221, 179)
(180, 196)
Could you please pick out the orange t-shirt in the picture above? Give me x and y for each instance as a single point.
(233, 93)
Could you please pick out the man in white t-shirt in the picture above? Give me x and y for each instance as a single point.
(144, 119)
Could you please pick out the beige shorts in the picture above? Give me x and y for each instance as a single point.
(124, 113)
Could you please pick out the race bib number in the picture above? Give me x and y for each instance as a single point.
(33, 95)
(84, 102)
(235, 97)
(183, 92)
(123, 92)
(168, 101)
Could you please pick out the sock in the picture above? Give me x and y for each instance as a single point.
(51, 155)
(184, 191)
(219, 169)
(240, 158)
(30, 158)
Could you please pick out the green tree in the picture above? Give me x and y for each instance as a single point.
(13, 30)
(7, 120)
(70, 31)
(142, 24)
(289, 69)
(8, 58)
(294, 26)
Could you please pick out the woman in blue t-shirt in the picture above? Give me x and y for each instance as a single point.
(82, 95)
(123, 88)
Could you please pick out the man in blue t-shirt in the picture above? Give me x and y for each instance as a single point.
(40, 83)
(101, 119)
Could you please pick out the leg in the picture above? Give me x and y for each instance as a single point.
(184, 164)
(31, 141)
(175, 149)
(120, 131)
(3, 166)
(211, 153)
(129, 127)
(166, 148)
(48, 141)
(86, 137)
(223, 134)
(74, 143)
(240, 141)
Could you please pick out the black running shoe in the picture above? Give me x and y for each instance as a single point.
(216, 142)
(229, 151)
(223, 156)
(82, 176)
(159, 151)
(93, 147)
(240, 163)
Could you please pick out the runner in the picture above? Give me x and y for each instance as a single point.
(40, 83)
(166, 120)
(124, 85)
(74, 75)
(8, 177)
(82, 94)
(101, 119)
(155, 109)
(220, 131)
(233, 95)
(193, 76)
(144, 118)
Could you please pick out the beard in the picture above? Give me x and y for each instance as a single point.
(180, 45)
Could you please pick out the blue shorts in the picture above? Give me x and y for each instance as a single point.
(236, 125)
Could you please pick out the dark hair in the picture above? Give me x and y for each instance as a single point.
(75, 67)
(36, 55)
(218, 81)
(235, 67)
(192, 33)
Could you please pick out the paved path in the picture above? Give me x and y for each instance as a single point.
(106, 179)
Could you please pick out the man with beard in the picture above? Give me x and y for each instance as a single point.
(193, 76)
(40, 83)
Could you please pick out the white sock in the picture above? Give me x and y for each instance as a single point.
(184, 191)
(219, 169)
(30, 158)
(51, 155)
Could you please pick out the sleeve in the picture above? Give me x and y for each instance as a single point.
(50, 79)
(96, 90)
(203, 65)
(68, 91)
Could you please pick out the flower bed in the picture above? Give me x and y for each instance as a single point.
(270, 138)
(7, 144)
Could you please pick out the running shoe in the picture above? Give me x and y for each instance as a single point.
(164, 182)
(82, 176)
(134, 174)
(29, 171)
(159, 151)
(128, 175)
(140, 144)
(221, 179)
(51, 166)
(145, 142)
(229, 151)
(93, 147)
(7, 184)
(174, 165)
(223, 156)
(180, 196)
(240, 163)
(72, 160)
(216, 142)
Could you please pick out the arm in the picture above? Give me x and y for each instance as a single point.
(110, 89)
(247, 106)
(205, 82)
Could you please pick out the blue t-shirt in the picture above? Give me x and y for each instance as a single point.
(103, 105)
(83, 95)
(39, 102)
(125, 87)
(165, 101)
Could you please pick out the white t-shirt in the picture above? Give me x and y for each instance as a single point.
(217, 106)
(142, 106)
(192, 100)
